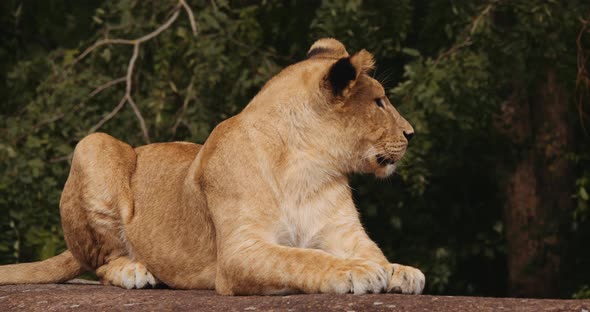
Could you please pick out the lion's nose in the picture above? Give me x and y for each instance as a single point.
(408, 135)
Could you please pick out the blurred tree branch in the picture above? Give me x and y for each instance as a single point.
(187, 99)
(127, 97)
(61, 115)
(582, 78)
(467, 33)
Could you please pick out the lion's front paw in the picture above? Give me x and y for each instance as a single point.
(357, 277)
(406, 280)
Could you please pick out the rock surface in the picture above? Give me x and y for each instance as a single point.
(81, 296)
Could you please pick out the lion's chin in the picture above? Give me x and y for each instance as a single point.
(385, 171)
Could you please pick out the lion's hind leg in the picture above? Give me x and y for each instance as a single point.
(96, 205)
(126, 273)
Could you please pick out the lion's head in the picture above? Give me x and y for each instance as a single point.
(380, 135)
(339, 111)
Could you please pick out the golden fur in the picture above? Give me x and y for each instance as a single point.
(263, 207)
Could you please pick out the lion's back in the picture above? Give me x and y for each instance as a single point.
(169, 152)
(169, 232)
(160, 172)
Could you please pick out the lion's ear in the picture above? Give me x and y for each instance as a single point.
(342, 76)
(344, 73)
(363, 61)
(327, 48)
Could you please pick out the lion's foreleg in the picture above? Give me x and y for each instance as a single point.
(258, 267)
(346, 238)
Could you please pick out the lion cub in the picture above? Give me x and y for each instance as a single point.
(263, 207)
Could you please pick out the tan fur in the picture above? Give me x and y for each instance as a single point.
(263, 207)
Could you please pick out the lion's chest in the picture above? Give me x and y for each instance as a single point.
(299, 227)
(303, 221)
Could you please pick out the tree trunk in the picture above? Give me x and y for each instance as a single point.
(539, 188)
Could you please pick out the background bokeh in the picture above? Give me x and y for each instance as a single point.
(492, 198)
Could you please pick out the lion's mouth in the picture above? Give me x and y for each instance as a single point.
(384, 161)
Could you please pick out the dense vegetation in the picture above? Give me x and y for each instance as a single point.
(492, 198)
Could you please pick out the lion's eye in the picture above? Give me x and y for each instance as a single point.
(380, 102)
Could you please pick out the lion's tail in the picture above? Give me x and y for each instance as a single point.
(58, 269)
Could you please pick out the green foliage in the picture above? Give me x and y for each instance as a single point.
(583, 293)
(582, 211)
(448, 66)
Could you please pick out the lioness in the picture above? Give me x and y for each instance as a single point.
(263, 207)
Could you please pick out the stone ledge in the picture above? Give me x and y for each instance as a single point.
(81, 296)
